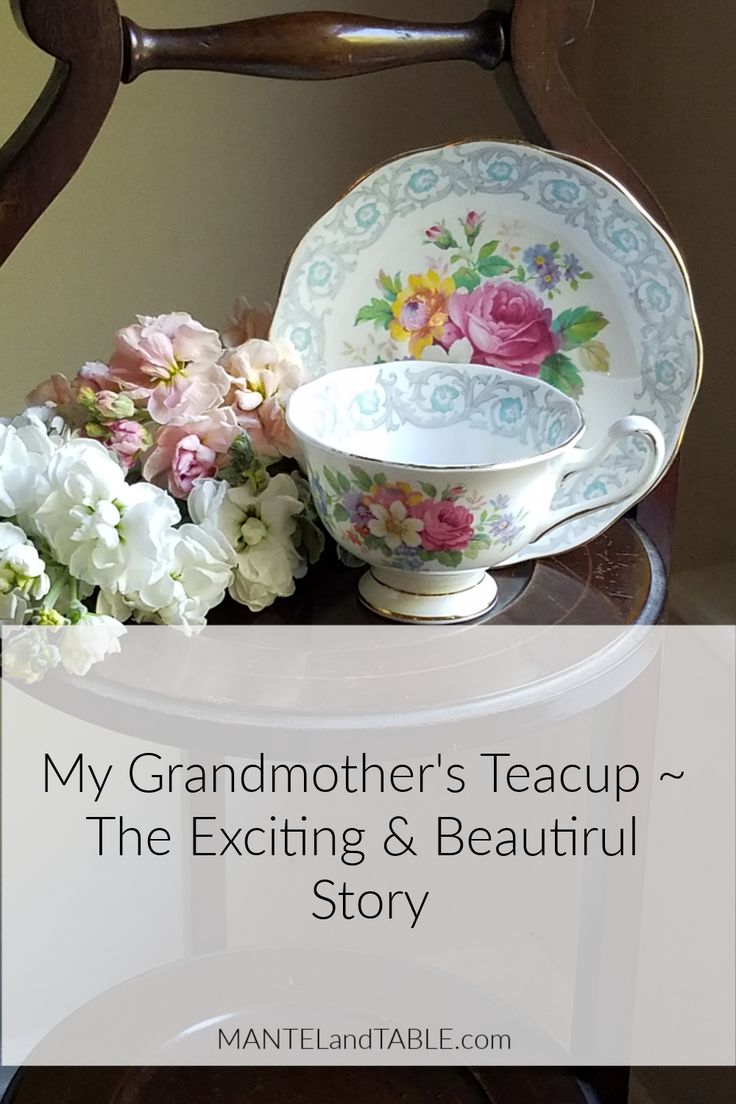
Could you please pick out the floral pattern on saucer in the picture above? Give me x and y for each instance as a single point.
(410, 525)
(487, 304)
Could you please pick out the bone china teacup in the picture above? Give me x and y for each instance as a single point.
(432, 473)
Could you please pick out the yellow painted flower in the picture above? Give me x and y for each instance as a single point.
(420, 311)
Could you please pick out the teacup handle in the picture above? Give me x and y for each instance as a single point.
(586, 458)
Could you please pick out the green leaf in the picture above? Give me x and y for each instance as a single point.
(450, 559)
(494, 266)
(362, 478)
(343, 482)
(560, 371)
(466, 278)
(391, 286)
(595, 357)
(578, 326)
(378, 311)
(332, 480)
(487, 250)
(586, 275)
(311, 538)
(341, 513)
(429, 489)
(520, 274)
(379, 479)
(554, 247)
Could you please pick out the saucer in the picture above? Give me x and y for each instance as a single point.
(514, 256)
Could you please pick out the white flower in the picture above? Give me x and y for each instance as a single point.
(260, 529)
(13, 608)
(28, 654)
(88, 642)
(106, 531)
(25, 453)
(22, 571)
(395, 526)
(460, 352)
(199, 569)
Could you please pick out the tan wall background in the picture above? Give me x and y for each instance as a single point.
(200, 185)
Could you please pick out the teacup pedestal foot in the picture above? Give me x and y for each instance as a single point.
(433, 599)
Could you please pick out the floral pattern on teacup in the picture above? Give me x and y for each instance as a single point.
(413, 525)
(490, 301)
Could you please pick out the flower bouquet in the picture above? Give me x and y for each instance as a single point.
(151, 485)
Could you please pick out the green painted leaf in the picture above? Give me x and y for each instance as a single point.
(466, 278)
(586, 275)
(332, 480)
(554, 247)
(494, 266)
(487, 250)
(379, 479)
(560, 371)
(391, 285)
(450, 559)
(429, 489)
(378, 311)
(520, 274)
(595, 357)
(343, 482)
(362, 478)
(341, 513)
(578, 326)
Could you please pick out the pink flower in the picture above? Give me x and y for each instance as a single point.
(171, 362)
(94, 374)
(190, 450)
(263, 376)
(507, 325)
(435, 232)
(447, 526)
(127, 440)
(246, 322)
(473, 220)
(114, 405)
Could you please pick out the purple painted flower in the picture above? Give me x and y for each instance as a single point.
(320, 495)
(548, 276)
(504, 529)
(572, 267)
(358, 512)
(538, 257)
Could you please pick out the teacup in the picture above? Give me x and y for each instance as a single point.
(432, 473)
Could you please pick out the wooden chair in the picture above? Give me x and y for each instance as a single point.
(619, 578)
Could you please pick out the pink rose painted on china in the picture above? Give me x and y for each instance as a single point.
(507, 324)
(447, 526)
